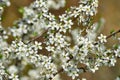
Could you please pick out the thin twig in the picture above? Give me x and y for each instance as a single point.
(37, 37)
(114, 33)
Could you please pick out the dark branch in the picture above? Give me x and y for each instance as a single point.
(38, 37)
(113, 34)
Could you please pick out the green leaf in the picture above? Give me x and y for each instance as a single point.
(112, 31)
(35, 33)
(1, 56)
(40, 14)
(68, 9)
(116, 46)
(21, 10)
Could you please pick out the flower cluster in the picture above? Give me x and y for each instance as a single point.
(58, 47)
(57, 4)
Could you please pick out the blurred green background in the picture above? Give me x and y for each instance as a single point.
(108, 9)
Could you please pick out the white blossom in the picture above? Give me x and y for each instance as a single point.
(13, 77)
(102, 38)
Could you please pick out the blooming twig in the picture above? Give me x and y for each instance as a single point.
(84, 68)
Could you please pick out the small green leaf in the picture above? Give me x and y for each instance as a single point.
(116, 46)
(112, 31)
(35, 33)
(68, 10)
(40, 14)
(1, 56)
(21, 10)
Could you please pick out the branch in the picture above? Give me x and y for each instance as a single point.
(40, 36)
(114, 33)
(84, 69)
(61, 70)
